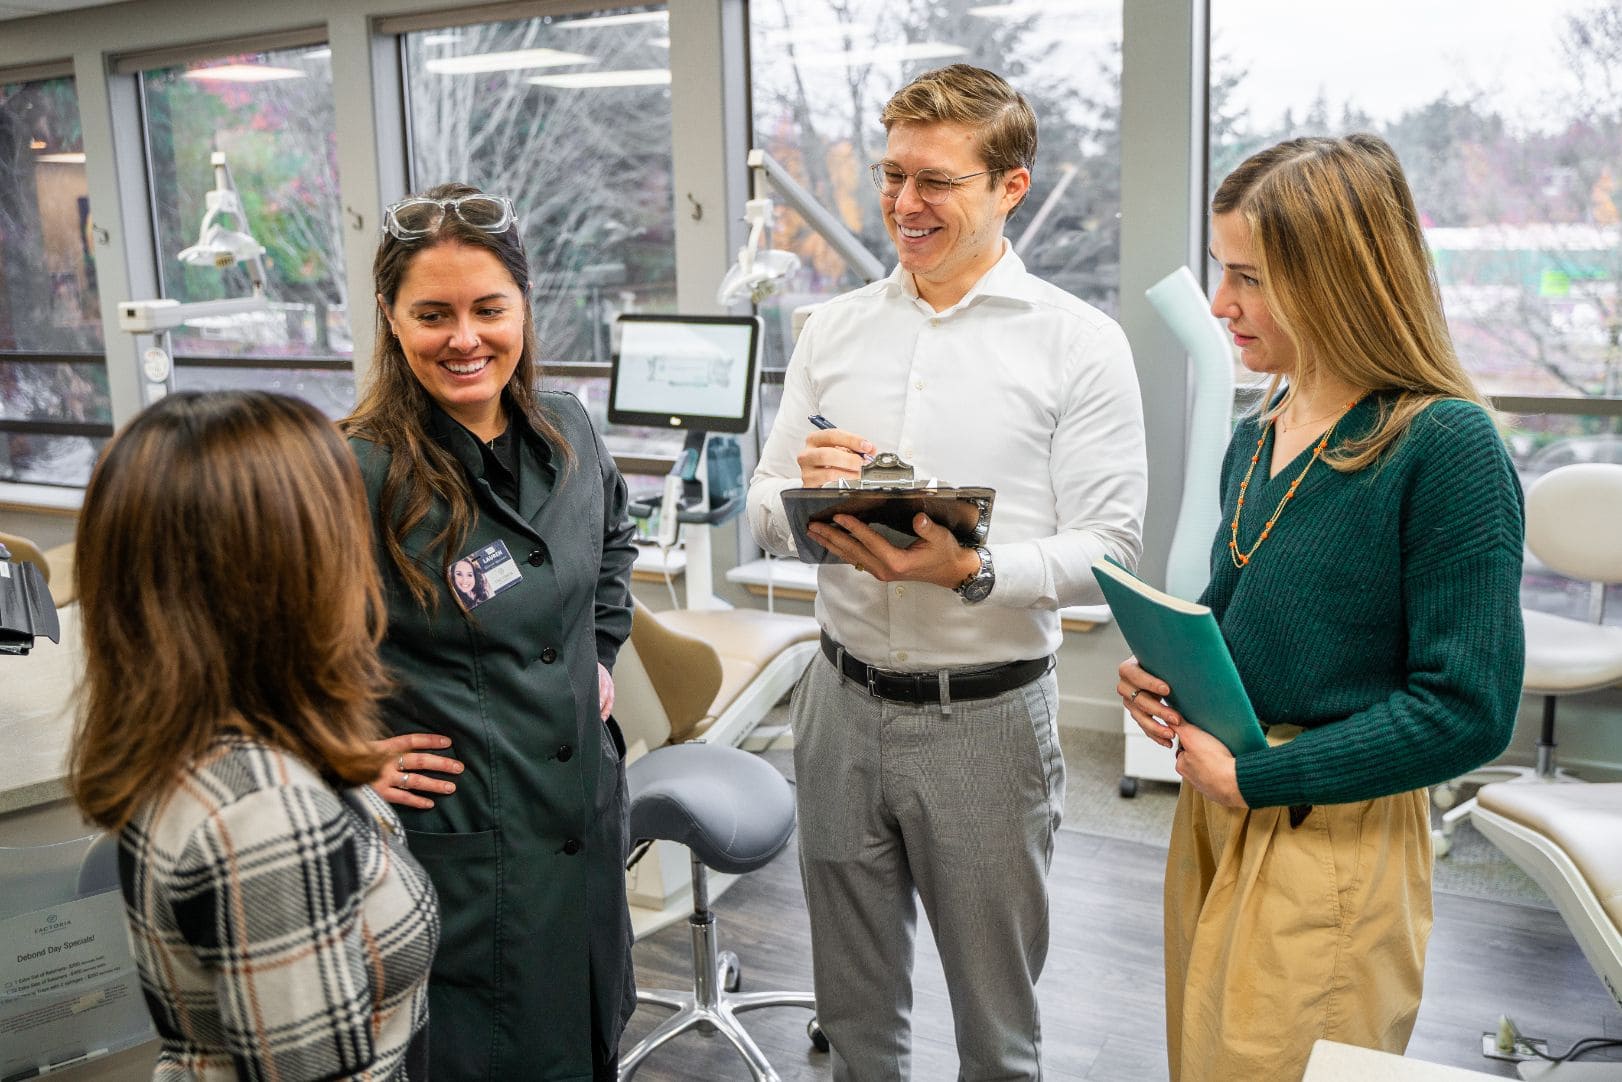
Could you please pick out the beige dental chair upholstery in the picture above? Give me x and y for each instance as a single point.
(1566, 838)
(1573, 523)
(707, 674)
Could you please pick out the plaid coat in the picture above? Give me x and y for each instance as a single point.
(281, 928)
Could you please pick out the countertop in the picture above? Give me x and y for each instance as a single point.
(36, 717)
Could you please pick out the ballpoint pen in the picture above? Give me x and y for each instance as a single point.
(822, 422)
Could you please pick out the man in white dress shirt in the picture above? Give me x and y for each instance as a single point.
(926, 753)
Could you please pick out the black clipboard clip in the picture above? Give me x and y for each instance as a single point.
(887, 497)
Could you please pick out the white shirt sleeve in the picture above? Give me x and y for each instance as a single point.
(779, 469)
(1099, 473)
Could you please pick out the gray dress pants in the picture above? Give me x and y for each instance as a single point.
(959, 808)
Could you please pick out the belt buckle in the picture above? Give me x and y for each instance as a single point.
(872, 682)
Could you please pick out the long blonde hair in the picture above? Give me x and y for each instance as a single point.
(1347, 276)
(226, 584)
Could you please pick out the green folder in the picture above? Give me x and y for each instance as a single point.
(1179, 642)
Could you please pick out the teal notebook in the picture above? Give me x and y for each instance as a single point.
(1179, 641)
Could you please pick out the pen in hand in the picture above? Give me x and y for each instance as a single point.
(822, 422)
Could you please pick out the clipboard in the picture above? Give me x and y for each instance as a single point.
(887, 499)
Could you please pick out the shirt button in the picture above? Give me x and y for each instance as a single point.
(571, 847)
(919, 385)
(536, 558)
(901, 655)
(549, 655)
(565, 753)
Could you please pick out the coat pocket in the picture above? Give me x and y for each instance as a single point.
(463, 868)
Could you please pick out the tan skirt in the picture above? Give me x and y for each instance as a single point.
(1277, 936)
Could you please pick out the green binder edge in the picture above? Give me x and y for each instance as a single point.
(1179, 642)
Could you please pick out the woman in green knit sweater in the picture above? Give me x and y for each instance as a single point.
(1366, 579)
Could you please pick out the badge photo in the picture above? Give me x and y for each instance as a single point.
(484, 573)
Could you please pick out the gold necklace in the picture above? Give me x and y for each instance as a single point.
(1240, 559)
(1284, 430)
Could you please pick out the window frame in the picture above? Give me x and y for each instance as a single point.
(39, 73)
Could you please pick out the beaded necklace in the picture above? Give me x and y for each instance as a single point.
(1240, 559)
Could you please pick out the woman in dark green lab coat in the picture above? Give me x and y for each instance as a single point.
(506, 749)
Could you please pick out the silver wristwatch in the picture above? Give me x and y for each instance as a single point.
(977, 587)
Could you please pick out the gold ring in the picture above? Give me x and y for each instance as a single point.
(859, 568)
(399, 763)
(1134, 696)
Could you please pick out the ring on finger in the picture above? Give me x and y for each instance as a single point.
(860, 569)
(404, 779)
(399, 764)
(1132, 698)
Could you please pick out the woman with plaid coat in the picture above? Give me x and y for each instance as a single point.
(228, 730)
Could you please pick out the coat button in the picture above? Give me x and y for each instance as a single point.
(565, 753)
(536, 558)
(549, 655)
(571, 847)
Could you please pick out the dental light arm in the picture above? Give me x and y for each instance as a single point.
(763, 167)
(756, 274)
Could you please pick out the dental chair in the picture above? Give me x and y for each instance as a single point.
(762, 656)
(1565, 838)
(1573, 521)
(705, 676)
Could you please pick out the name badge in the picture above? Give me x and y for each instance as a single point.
(484, 573)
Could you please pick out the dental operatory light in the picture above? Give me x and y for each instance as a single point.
(223, 241)
(758, 272)
(218, 246)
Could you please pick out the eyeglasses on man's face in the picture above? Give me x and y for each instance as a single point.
(415, 218)
(934, 186)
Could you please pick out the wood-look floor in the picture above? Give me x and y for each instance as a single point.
(1102, 1015)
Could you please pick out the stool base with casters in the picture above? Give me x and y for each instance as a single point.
(734, 812)
(714, 999)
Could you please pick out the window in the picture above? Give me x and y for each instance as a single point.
(271, 114)
(821, 74)
(54, 410)
(1509, 126)
(569, 117)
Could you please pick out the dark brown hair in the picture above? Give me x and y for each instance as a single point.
(393, 409)
(1347, 276)
(225, 584)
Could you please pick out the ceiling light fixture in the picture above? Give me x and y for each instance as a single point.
(584, 80)
(516, 60)
(244, 73)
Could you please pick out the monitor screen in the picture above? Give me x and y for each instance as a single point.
(695, 372)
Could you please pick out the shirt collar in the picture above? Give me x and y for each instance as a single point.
(468, 449)
(1007, 280)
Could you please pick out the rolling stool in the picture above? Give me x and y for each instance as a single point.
(734, 812)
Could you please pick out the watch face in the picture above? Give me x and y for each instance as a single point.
(978, 587)
(977, 590)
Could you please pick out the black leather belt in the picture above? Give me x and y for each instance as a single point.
(925, 687)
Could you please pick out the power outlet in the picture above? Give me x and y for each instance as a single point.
(1524, 1048)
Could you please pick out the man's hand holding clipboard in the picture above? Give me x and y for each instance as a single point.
(866, 510)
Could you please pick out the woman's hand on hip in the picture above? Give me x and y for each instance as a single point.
(605, 692)
(1206, 763)
(1143, 696)
(408, 774)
